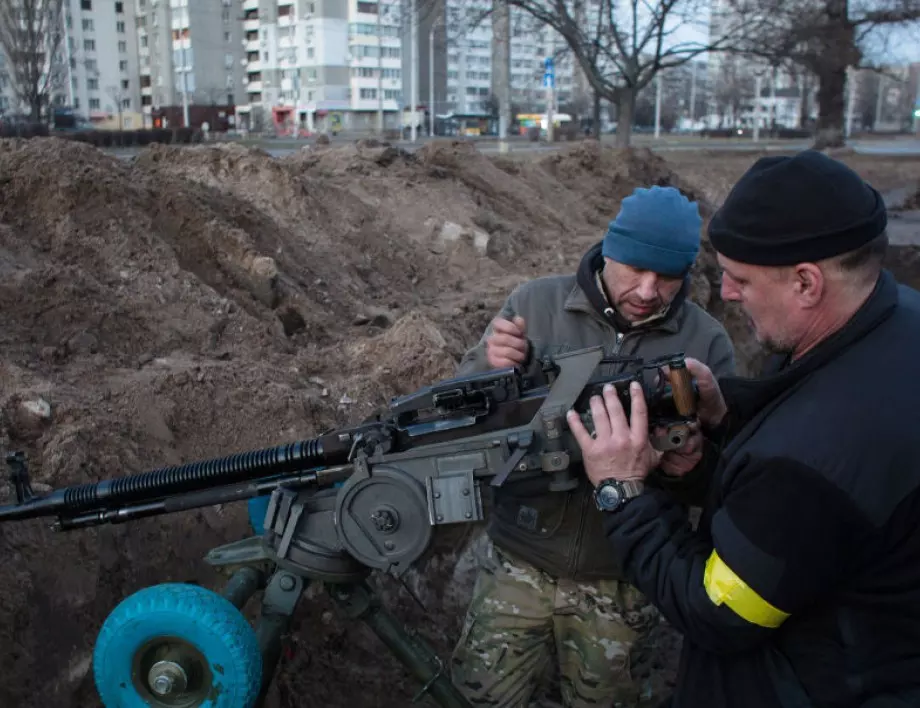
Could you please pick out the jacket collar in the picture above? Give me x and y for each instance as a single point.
(587, 295)
(747, 397)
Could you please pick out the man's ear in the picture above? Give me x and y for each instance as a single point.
(809, 284)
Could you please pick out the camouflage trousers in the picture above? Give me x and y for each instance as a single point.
(519, 617)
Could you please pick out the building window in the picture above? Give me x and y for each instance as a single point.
(368, 93)
(94, 104)
(87, 25)
(89, 45)
(92, 84)
(120, 27)
(122, 46)
(120, 7)
(86, 4)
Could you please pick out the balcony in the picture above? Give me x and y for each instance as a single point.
(250, 5)
(251, 25)
(252, 45)
(254, 87)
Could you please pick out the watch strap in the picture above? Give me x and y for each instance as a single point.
(633, 487)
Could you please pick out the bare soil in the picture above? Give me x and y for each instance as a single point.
(201, 301)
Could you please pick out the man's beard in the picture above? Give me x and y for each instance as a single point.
(773, 345)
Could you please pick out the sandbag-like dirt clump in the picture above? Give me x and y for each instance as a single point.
(200, 301)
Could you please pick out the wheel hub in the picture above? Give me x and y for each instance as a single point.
(171, 673)
(167, 678)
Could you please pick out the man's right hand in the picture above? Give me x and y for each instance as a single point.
(507, 345)
(711, 408)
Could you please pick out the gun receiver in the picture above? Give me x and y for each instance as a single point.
(498, 422)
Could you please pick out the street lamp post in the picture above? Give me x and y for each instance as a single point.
(413, 20)
(434, 26)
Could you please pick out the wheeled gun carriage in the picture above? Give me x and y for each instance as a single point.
(339, 507)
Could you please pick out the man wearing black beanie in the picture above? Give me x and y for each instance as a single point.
(801, 584)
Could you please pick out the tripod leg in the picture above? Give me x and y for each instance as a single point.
(359, 602)
(278, 604)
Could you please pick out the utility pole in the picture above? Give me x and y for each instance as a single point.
(379, 69)
(501, 68)
(851, 99)
(438, 21)
(658, 104)
(184, 92)
(414, 34)
(878, 101)
(757, 88)
(67, 56)
(549, 82)
(692, 93)
(772, 119)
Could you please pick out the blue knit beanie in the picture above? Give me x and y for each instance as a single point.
(657, 229)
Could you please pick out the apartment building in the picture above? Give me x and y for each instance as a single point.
(320, 65)
(188, 51)
(98, 74)
(468, 45)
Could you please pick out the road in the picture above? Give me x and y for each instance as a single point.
(906, 146)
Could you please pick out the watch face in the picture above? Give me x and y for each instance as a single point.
(608, 496)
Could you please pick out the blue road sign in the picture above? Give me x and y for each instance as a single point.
(549, 81)
(548, 65)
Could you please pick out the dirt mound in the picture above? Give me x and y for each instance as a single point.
(912, 201)
(204, 300)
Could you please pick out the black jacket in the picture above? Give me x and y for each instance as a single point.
(801, 586)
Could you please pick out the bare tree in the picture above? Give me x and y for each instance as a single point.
(622, 46)
(32, 37)
(118, 94)
(732, 88)
(827, 37)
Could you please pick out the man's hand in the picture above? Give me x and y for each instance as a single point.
(711, 408)
(507, 345)
(619, 448)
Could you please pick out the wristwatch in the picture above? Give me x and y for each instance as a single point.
(611, 494)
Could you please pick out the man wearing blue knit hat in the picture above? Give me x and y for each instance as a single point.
(548, 582)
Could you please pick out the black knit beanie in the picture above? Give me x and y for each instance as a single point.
(804, 208)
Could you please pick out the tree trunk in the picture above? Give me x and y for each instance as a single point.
(831, 107)
(596, 117)
(805, 105)
(626, 109)
(36, 109)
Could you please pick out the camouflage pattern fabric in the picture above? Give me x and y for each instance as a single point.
(519, 617)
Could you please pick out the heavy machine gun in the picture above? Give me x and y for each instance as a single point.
(340, 506)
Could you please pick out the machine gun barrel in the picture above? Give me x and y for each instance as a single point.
(145, 490)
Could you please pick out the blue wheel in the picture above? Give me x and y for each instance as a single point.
(177, 646)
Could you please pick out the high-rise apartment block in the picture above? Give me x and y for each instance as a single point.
(320, 64)
(189, 51)
(100, 46)
(469, 80)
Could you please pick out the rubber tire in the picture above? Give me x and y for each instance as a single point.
(199, 616)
